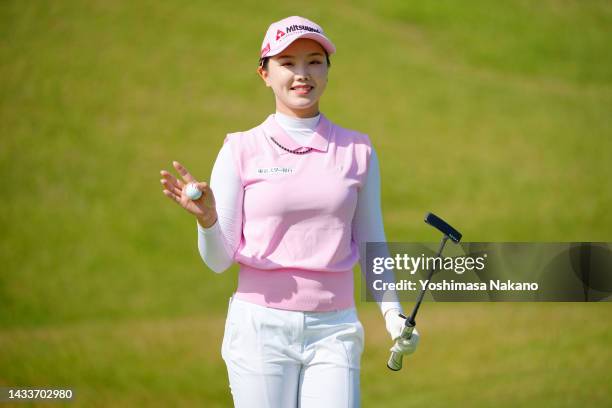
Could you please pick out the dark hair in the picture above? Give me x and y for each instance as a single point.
(263, 62)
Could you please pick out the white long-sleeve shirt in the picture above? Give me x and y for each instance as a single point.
(218, 244)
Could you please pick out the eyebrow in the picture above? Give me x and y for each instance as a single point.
(291, 56)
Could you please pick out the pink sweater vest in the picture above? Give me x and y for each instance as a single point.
(297, 251)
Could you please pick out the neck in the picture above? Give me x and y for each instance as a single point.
(297, 127)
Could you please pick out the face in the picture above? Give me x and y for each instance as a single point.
(298, 76)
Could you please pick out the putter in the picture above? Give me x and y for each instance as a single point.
(395, 360)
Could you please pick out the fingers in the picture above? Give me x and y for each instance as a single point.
(171, 181)
(183, 172)
(203, 187)
(404, 346)
(172, 196)
(171, 186)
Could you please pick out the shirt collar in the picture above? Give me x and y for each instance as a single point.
(318, 141)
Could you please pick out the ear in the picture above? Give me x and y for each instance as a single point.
(264, 75)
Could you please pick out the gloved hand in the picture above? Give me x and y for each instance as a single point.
(395, 325)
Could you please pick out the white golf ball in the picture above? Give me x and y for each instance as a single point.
(192, 191)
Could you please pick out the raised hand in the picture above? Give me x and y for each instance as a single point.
(174, 188)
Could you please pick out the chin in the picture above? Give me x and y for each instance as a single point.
(302, 102)
(302, 106)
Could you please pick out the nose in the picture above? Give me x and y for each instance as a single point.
(302, 76)
(301, 72)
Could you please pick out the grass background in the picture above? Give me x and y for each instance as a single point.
(497, 116)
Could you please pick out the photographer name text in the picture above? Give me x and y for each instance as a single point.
(445, 285)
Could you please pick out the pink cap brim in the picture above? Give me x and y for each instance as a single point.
(325, 43)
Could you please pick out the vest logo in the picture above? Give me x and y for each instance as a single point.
(264, 171)
(279, 34)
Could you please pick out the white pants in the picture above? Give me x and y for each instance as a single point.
(287, 359)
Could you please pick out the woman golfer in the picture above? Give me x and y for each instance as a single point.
(294, 197)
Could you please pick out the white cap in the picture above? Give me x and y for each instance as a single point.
(284, 32)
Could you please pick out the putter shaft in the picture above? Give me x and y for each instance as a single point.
(395, 360)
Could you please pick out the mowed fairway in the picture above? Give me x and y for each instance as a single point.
(503, 355)
(498, 117)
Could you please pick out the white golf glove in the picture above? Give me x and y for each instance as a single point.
(395, 325)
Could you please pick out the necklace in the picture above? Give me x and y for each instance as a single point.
(295, 151)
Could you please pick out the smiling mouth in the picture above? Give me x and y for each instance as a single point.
(302, 90)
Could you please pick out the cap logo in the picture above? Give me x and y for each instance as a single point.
(300, 27)
(279, 34)
(265, 50)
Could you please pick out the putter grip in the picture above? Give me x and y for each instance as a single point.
(395, 359)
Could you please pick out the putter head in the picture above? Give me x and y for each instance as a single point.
(443, 227)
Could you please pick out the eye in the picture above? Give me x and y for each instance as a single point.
(285, 63)
(315, 62)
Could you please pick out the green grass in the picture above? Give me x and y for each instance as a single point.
(496, 116)
(503, 354)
